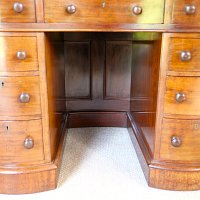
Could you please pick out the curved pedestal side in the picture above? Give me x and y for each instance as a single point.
(167, 176)
(32, 179)
(176, 178)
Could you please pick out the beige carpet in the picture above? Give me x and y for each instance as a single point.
(101, 164)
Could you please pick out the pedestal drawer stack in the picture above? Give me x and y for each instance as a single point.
(181, 111)
(21, 138)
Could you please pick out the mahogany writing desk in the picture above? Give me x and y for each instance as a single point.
(79, 63)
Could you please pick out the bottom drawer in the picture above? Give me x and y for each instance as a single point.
(21, 141)
(180, 140)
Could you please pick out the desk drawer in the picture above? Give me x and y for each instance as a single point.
(98, 11)
(18, 54)
(180, 140)
(19, 96)
(21, 141)
(185, 12)
(17, 11)
(182, 96)
(184, 54)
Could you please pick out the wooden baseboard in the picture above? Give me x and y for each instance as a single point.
(97, 119)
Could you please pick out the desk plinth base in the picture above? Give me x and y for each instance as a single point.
(167, 176)
(32, 179)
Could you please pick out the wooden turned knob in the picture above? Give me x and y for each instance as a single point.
(190, 9)
(186, 56)
(24, 98)
(137, 10)
(21, 55)
(180, 97)
(18, 7)
(28, 142)
(176, 141)
(71, 9)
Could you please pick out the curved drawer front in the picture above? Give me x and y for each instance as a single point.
(180, 140)
(19, 96)
(18, 54)
(182, 96)
(14, 137)
(17, 11)
(98, 11)
(185, 12)
(184, 54)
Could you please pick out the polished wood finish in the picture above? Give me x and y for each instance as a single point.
(91, 73)
(13, 134)
(114, 63)
(7, 13)
(162, 175)
(54, 89)
(96, 119)
(187, 131)
(175, 12)
(10, 45)
(11, 89)
(109, 11)
(178, 44)
(189, 87)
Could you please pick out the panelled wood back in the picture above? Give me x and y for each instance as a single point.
(97, 71)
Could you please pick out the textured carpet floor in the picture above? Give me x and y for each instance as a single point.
(101, 164)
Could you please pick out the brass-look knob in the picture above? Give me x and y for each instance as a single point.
(24, 98)
(137, 10)
(18, 7)
(28, 142)
(190, 9)
(71, 9)
(21, 55)
(176, 141)
(186, 56)
(180, 97)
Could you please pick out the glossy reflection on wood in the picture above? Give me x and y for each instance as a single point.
(78, 74)
(13, 135)
(8, 14)
(10, 46)
(98, 11)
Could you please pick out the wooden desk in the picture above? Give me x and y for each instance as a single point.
(79, 63)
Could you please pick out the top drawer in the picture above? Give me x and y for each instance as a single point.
(18, 54)
(184, 11)
(17, 11)
(102, 11)
(184, 54)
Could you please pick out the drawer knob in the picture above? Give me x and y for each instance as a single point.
(180, 97)
(24, 98)
(186, 56)
(71, 9)
(18, 7)
(175, 141)
(137, 10)
(190, 9)
(28, 142)
(21, 55)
